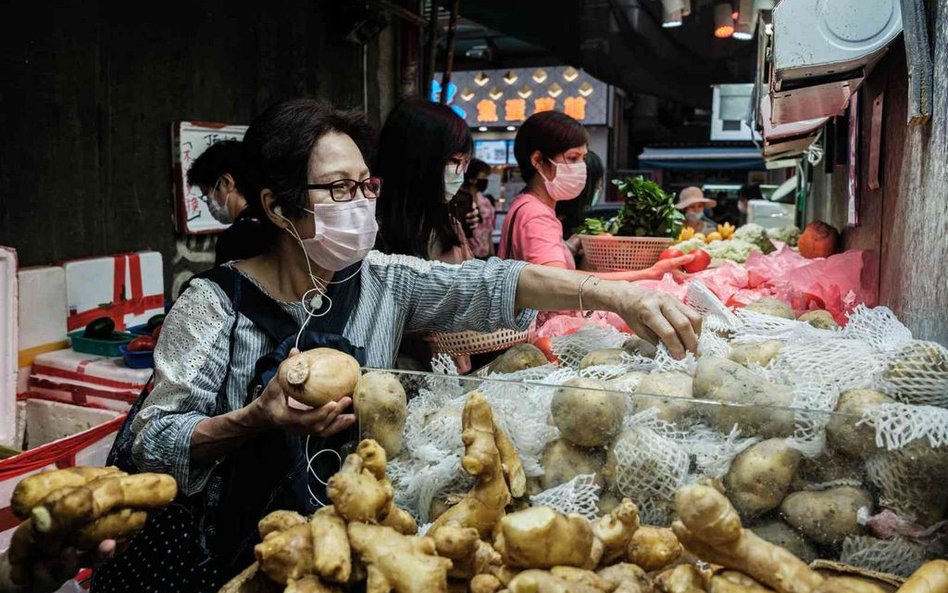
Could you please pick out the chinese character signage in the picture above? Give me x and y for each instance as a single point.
(188, 141)
(507, 97)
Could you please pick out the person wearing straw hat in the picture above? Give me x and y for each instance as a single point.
(692, 202)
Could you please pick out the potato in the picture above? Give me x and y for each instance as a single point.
(911, 481)
(517, 358)
(725, 381)
(608, 503)
(780, 534)
(318, 376)
(586, 414)
(772, 306)
(761, 353)
(842, 432)
(826, 516)
(605, 356)
(381, 407)
(760, 476)
(562, 461)
(918, 362)
(831, 466)
(673, 384)
(638, 346)
(820, 319)
(627, 382)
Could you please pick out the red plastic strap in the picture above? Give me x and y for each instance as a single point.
(60, 451)
(81, 375)
(80, 392)
(120, 307)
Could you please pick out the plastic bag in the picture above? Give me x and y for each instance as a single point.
(833, 284)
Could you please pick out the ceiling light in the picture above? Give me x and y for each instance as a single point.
(672, 13)
(539, 76)
(555, 90)
(723, 21)
(586, 89)
(481, 79)
(495, 93)
(511, 128)
(511, 77)
(525, 92)
(467, 94)
(570, 74)
(482, 129)
(743, 32)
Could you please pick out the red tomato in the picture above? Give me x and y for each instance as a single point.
(670, 253)
(546, 348)
(700, 262)
(142, 344)
(156, 332)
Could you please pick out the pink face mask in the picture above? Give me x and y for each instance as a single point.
(569, 181)
(345, 233)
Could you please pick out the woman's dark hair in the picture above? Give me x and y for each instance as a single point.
(573, 212)
(226, 156)
(474, 169)
(550, 132)
(277, 148)
(414, 147)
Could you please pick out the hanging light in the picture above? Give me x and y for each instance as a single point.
(672, 13)
(723, 21)
(742, 32)
(746, 22)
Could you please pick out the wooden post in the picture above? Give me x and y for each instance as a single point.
(919, 59)
(449, 57)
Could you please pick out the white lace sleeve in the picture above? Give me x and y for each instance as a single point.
(191, 362)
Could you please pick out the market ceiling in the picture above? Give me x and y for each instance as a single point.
(622, 42)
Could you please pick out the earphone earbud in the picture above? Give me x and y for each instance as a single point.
(278, 210)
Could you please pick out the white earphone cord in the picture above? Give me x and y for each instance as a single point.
(319, 286)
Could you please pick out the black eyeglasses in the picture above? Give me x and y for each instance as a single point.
(344, 190)
(460, 165)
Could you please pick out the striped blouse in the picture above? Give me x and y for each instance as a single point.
(398, 293)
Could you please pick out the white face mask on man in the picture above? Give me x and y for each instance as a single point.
(218, 211)
(452, 181)
(569, 181)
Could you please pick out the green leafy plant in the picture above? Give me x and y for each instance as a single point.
(648, 211)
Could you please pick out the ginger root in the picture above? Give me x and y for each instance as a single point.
(626, 578)
(485, 504)
(279, 521)
(711, 529)
(932, 577)
(469, 554)
(405, 564)
(539, 537)
(613, 533)
(31, 491)
(117, 525)
(100, 496)
(729, 581)
(541, 581)
(653, 548)
(356, 492)
(332, 558)
(310, 584)
(485, 583)
(684, 578)
(286, 555)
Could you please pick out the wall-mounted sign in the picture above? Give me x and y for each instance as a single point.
(507, 97)
(188, 140)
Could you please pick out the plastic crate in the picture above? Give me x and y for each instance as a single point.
(138, 360)
(605, 253)
(110, 347)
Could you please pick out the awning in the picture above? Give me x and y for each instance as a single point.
(701, 158)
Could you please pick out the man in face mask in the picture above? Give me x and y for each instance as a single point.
(692, 202)
(475, 183)
(220, 173)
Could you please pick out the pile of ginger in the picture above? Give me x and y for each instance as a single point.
(483, 545)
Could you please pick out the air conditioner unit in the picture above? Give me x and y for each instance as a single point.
(822, 50)
(730, 112)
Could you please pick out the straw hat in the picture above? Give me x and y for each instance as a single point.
(691, 196)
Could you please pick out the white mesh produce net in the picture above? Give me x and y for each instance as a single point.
(580, 495)
(896, 556)
(716, 316)
(909, 480)
(897, 425)
(649, 467)
(918, 374)
(571, 349)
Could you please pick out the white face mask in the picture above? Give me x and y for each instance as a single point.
(452, 181)
(693, 216)
(219, 211)
(569, 181)
(345, 233)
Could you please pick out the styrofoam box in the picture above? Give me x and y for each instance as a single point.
(8, 346)
(48, 421)
(71, 376)
(92, 282)
(41, 314)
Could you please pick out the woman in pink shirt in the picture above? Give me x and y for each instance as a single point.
(551, 148)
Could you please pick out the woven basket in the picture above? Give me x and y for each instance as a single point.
(469, 342)
(605, 253)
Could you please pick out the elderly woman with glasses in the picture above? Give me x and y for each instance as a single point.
(318, 279)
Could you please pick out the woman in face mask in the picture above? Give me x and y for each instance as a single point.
(424, 151)
(317, 198)
(551, 149)
(692, 202)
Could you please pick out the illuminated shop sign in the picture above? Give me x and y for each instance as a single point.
(507, 97)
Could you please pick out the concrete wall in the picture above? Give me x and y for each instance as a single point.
(88, 91)
(904, 223)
